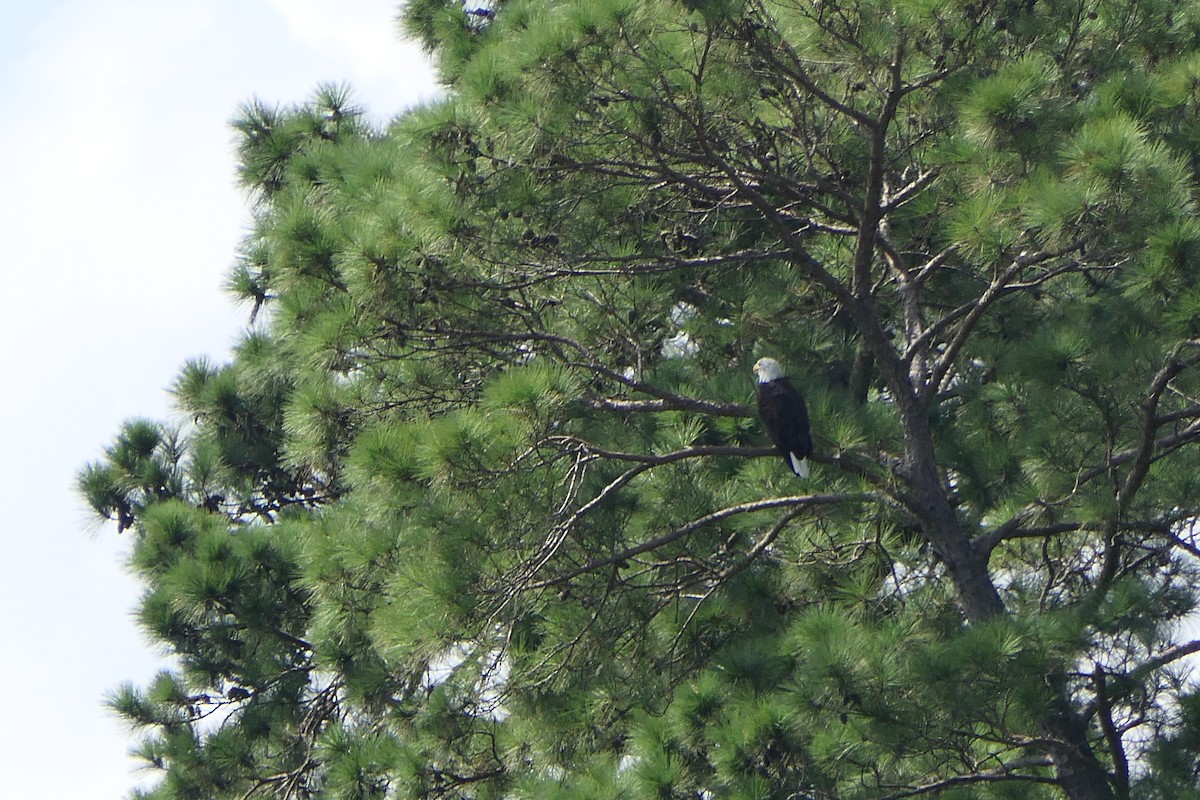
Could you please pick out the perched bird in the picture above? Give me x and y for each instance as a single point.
(782, 409)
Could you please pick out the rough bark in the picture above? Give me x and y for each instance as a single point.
(1080, 774)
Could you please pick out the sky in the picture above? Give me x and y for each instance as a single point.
(120, 218)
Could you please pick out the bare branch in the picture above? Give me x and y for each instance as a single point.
(998, 775)
(707, 519)
(1145, 453)
(1147, 443)
(668, 458)
(936, 262)
(793, 69)
(1133, 679)
(909, 191)
(666, 400)
(673, 403)
(1163, 659)
(1012, 529)
(972, 312)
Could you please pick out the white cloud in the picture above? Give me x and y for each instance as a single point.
(363, 33)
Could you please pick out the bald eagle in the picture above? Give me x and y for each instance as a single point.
(784, 415)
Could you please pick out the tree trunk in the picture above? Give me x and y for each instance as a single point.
(1079, 774)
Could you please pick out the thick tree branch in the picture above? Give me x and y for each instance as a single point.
(1112, 736)
(872, 212)
(1147, 444)
(999, 775)
(1163, 659)
(1013, 529)
(643, 463)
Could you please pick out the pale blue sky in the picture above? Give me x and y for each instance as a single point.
(119, 218)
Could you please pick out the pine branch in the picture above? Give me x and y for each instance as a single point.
(670, 402)
(1002, 774)
(793, 69)
(653, 460)
(1013, 529)
(707, 519)
(1147, 444)
(1163, 659)
(1132, 680)
(908, 191)
(644, 463)
(972, 312)
(746, 560)
(666, 401)
(639, 264)
(1145, 453)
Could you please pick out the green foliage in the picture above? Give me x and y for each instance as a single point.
(481, 509)
(1173, 759)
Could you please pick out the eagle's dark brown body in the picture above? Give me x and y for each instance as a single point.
(784, 415)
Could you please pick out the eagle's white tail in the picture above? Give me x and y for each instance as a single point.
(799, 465)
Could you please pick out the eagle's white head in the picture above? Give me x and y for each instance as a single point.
(767, 370)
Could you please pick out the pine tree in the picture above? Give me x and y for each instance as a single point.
(481, 508)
